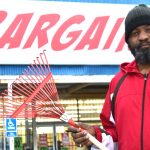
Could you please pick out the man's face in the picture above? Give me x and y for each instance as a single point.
(139, 44)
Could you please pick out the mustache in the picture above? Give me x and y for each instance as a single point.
(141, 44)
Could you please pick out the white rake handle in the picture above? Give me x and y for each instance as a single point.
(91, 138)
(96, 142)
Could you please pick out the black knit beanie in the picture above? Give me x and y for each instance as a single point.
(139, 15)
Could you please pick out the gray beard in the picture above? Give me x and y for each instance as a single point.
(142, 56)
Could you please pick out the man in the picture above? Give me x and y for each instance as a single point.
(129, 129)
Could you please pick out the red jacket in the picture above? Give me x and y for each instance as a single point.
(131, 128)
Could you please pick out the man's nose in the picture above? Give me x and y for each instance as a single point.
(143, 36)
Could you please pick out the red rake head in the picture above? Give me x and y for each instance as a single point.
(33, 94)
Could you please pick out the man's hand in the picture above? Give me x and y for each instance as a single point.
(80, 137)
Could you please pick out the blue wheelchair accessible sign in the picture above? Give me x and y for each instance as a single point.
(11, 127)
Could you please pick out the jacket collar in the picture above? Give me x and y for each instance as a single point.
(129, 67)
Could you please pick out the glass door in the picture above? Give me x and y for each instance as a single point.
(55, 137)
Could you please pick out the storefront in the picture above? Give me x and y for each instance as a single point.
(84, 51)
(82, 98)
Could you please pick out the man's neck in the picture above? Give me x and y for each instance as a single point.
(144, 69)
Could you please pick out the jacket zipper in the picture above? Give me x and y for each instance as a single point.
(142, 121)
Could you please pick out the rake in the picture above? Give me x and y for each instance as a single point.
(34, 94)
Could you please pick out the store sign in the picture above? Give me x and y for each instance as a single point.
(65, 139)
(73, 36)
(18, 143)
(43, 140)
(11, 127)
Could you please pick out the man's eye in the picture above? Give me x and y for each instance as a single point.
(134, 34)
(148, 30)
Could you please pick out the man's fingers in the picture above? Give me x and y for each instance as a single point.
(72, 129)
(80, 137)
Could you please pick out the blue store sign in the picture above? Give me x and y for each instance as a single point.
(11, 127)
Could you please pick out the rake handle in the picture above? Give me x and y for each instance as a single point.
(91, 138)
